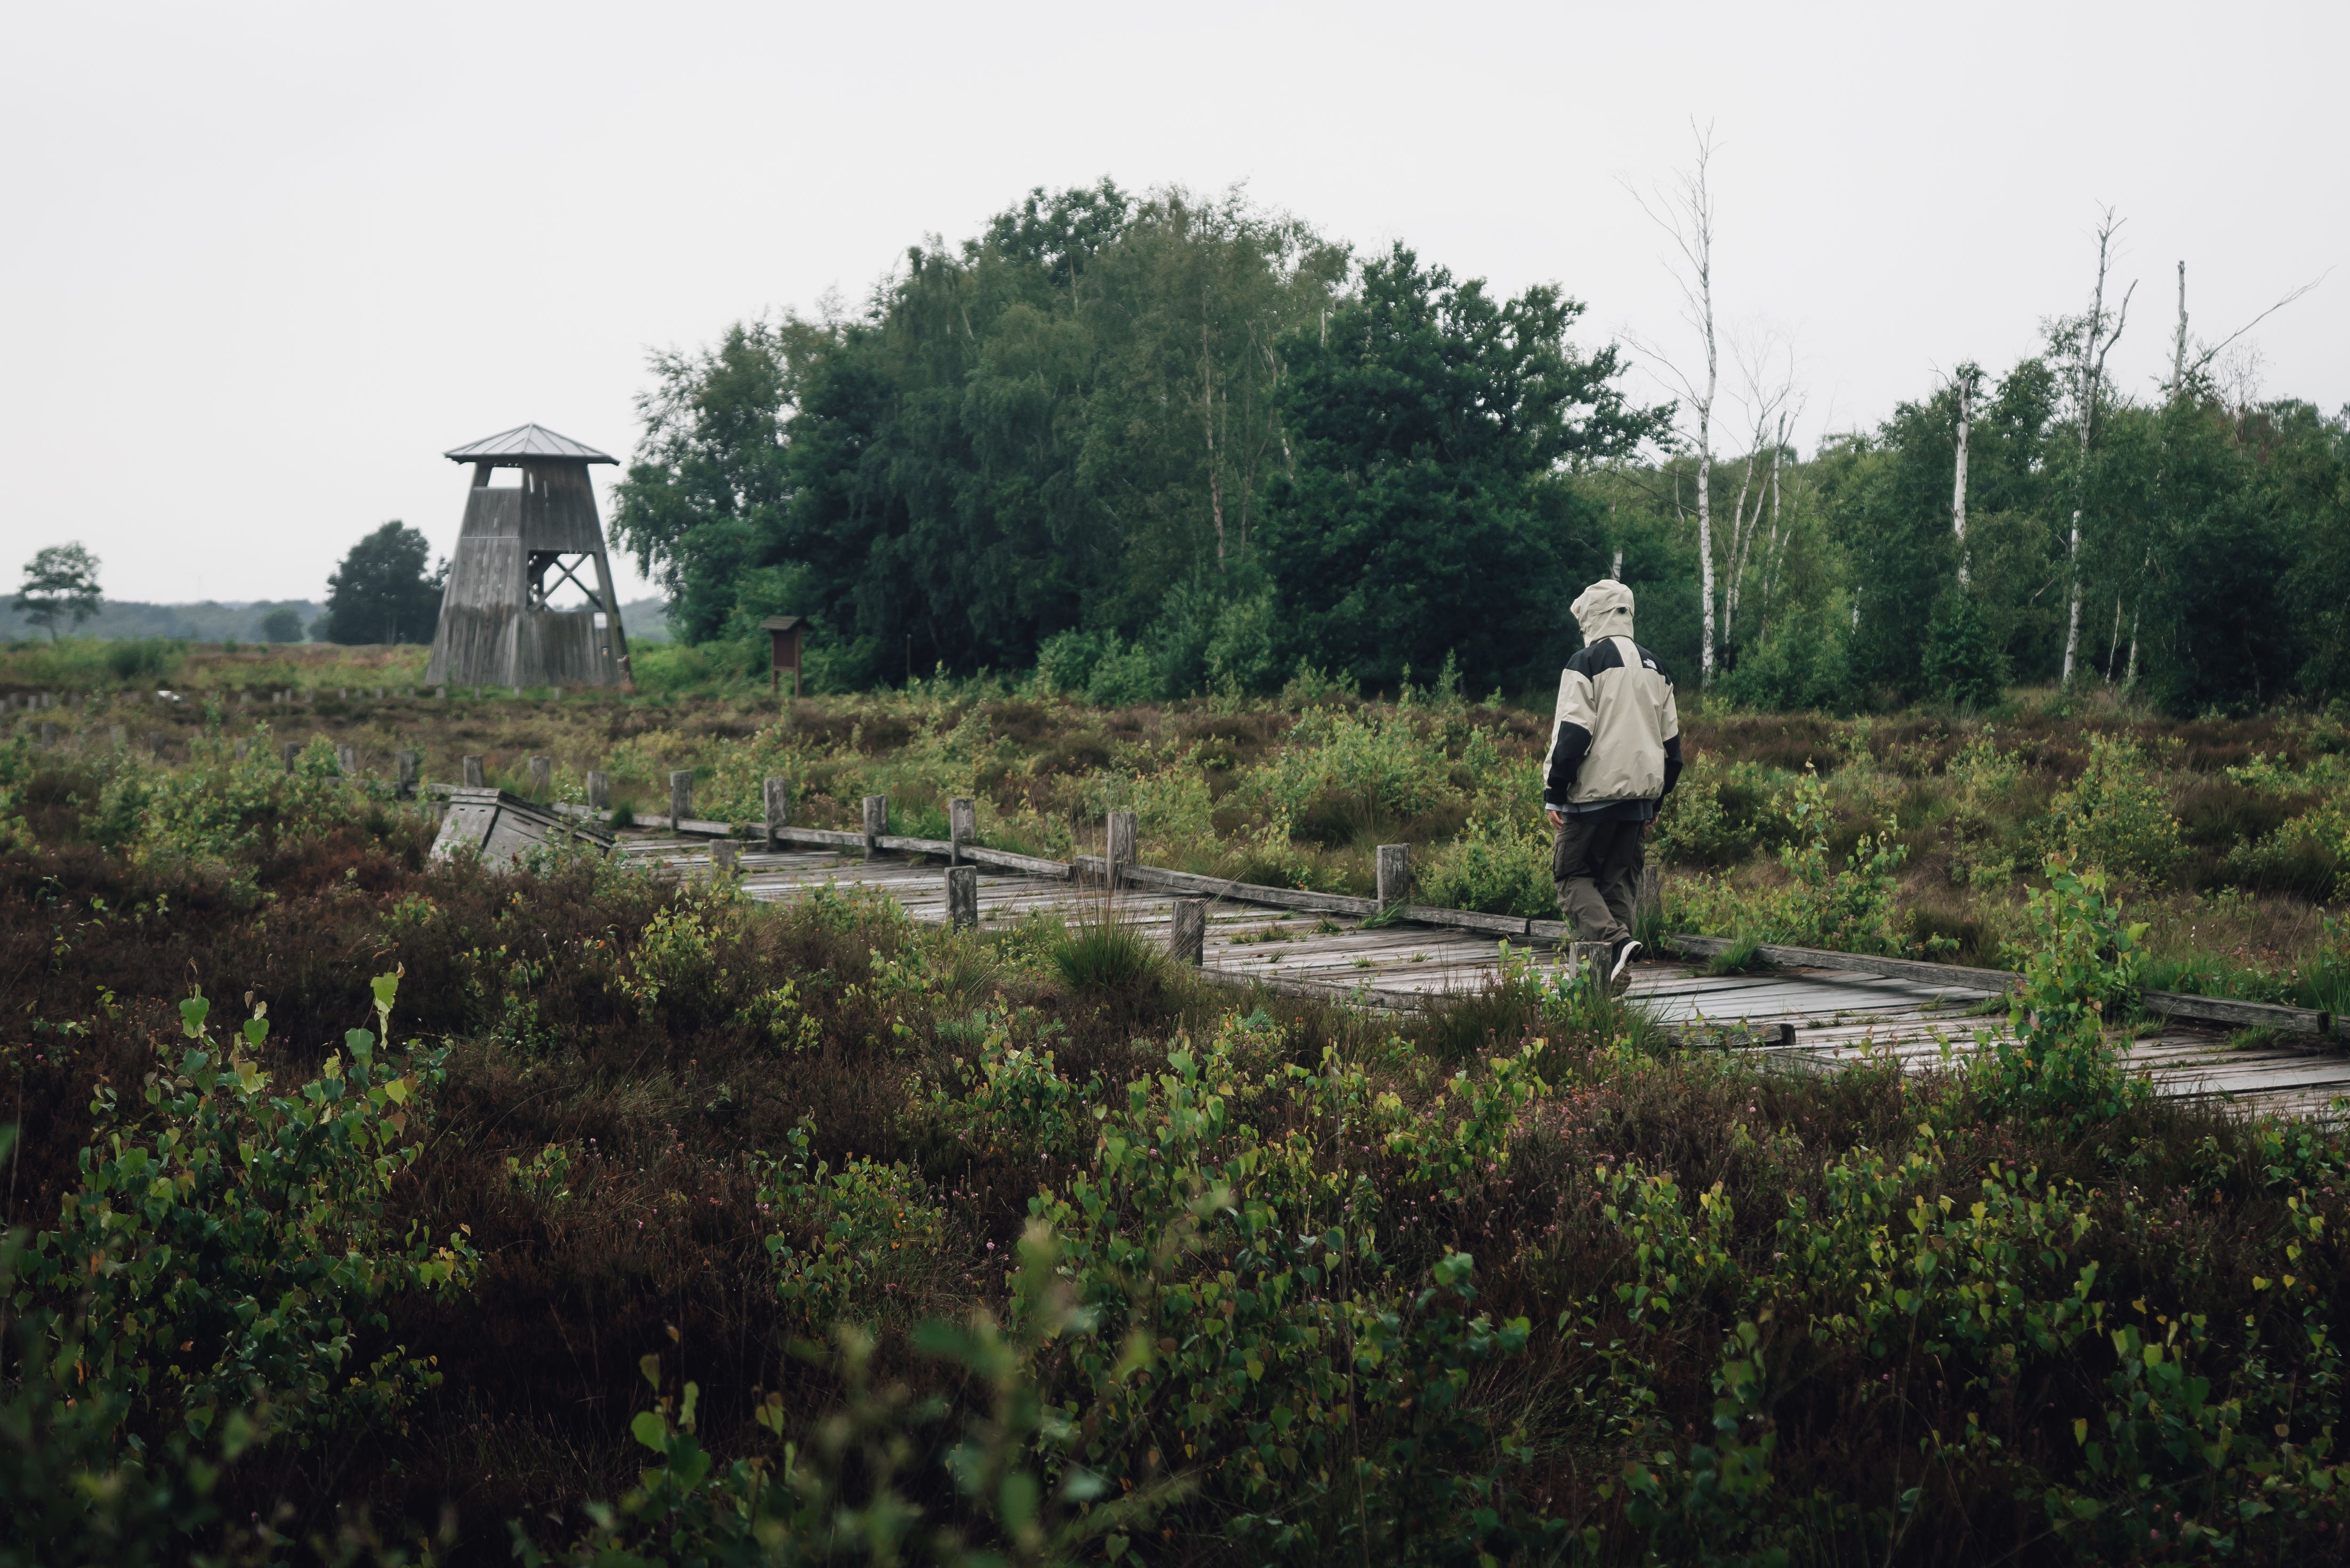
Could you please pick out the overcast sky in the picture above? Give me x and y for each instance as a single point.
(259, 266)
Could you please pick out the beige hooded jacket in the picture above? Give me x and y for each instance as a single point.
(1616, 736)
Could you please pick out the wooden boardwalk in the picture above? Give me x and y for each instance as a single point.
(1803, 1018)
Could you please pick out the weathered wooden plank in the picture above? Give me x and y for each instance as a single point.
(1466, 920)
(1954, 975)
(1248, 892)
(2242, 1014)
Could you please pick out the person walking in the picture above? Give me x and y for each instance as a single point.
(1615, 753)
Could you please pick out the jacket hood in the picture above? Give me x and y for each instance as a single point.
(1603, 610)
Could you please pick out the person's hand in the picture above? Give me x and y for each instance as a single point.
(1556, 819)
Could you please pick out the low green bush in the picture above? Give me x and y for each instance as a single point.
(232, 1247)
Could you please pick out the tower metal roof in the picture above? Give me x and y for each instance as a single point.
(527, 443)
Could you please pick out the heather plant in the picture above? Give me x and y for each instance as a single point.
(232, 1244)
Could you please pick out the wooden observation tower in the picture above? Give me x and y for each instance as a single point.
(530, 530)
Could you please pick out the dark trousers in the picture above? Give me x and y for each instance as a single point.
(1597, 866)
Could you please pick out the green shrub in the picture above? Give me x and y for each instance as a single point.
(1382, 760)
(1243, 1323)
(855, 1235)
(143, 659)
(1848, 908)
(1981, 779)
(2117, 815)
(1496, 865)
(2082, 966)
(238, 1243)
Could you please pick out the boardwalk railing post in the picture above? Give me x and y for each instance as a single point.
(49, 736)
(962, 827)
(346, 761)
(1122, 845)
(116, 736)
(541, 778)
(156, 740)
(1395, 875)
(292, 748)
(472, 773)
(1649, 903)
(722, 857)
(599, 790)
(877, 823)
(1188, 940)
(776, 795)
(1598, 955)
(680, 797)
(963, 897)
(409, 765)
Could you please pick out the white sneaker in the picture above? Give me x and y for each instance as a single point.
(1624, 956)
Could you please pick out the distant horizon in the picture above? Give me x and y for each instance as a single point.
(644, 618)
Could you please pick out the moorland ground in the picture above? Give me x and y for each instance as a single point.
(1026, 1243)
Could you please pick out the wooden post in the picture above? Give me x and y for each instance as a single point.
(49, 736)
(116, 736)
(962, 827)
(1598, 955)
(1649, 904)
(541, 778)
(346, 761)
(1120, 846)
(156, 740)
(680, 797)
(292, 750)
(410, 765)
(724, 855)
(963, 897)
(472, 773)
(243, 750)
(1395, 875)
(599, 791)
(877, 823)
(776, 795)
(1188, 940)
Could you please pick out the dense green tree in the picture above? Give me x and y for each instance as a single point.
(283, 624)
(60, 585)
(382, 592)
(1425, 512)
(1054, 426)
(702, 502)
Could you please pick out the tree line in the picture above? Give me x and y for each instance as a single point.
(1161, 445)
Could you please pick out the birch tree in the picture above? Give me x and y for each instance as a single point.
(1967, 382)
(2092, 341)
(1768, 368)
(1683, 209)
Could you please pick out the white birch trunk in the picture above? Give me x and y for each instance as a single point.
(2089, 374)
(1959, 480)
